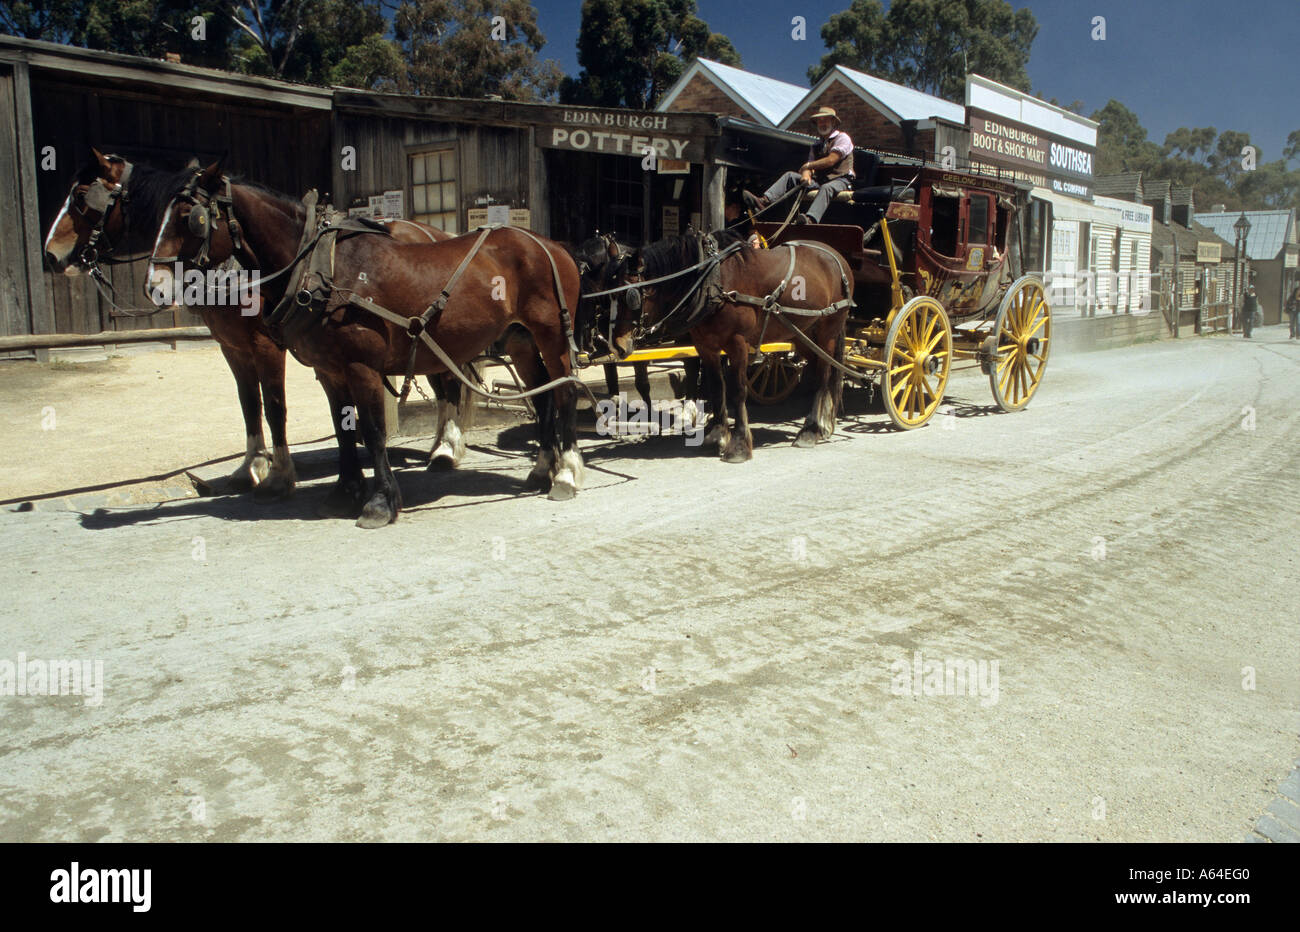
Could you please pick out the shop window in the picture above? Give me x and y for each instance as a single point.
(1000, 231)
(943, 224)
(433, 189)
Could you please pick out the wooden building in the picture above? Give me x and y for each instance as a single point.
(565, 172)
(57, 102)
(1273, 251)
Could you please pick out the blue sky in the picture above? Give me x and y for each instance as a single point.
(1173, 62)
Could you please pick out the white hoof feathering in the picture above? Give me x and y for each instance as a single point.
(568, 476)
(825, 415)
(257, 462)
(282, 473)
(543, 467)
(450, 445)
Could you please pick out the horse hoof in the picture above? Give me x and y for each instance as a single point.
(342, 502)
(807, 439)
(442, 462)
(375, 519)
(737, 455)
(272, 491)
(715, 435)
(563, 489)
(376, 514)
(236, 483)
(538, 482)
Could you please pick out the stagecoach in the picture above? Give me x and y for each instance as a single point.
(932, 252)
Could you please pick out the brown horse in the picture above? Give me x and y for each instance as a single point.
(515, 278)
(112, 213)
(755, 296)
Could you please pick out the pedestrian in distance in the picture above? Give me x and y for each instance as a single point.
(1249, 305)
(1293, 314)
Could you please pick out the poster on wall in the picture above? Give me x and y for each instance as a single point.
(514, 216)
(671, 220)
(393, 207)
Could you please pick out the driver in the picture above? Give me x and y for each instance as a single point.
(829, 165)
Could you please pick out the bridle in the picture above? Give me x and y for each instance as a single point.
(100, 197)
(205, 212)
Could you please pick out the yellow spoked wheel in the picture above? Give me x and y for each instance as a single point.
(918, 352)
(774, 379)
(1022, 335)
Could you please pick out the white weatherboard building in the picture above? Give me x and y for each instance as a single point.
(1094, 251)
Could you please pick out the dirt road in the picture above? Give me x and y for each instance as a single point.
(695, 650)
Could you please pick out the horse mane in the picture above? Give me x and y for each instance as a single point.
(674, 253)
(287, 202)
(149, 192)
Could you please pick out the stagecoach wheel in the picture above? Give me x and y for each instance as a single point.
(918, 352)
(1022, 337)
(774, 379)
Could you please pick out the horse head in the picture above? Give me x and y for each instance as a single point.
(601, 260)
(91, 222)
(194, 230)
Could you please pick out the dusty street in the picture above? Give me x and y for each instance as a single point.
(688, 650)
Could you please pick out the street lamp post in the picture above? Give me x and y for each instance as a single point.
(1242, 229)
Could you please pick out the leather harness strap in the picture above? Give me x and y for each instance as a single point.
(417, 325)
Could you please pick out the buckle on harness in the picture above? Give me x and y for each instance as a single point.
(302, 298)
(415, 326)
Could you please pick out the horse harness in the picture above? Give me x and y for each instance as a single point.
(317, 298)
(206, 210)
(709, 295)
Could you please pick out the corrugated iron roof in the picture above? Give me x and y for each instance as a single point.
(771, 99)
(907, 103)
(1270, 230)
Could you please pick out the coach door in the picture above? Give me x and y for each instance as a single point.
(977, 220)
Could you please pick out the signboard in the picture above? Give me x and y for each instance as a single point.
(1290, 261)
(393, 205)
(1208, 252)
(1060, 165)
(674, 167)
(620, 132)
(671, 220)
(899, 210)
(513, 216)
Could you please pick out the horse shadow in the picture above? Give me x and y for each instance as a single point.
(421, 486)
